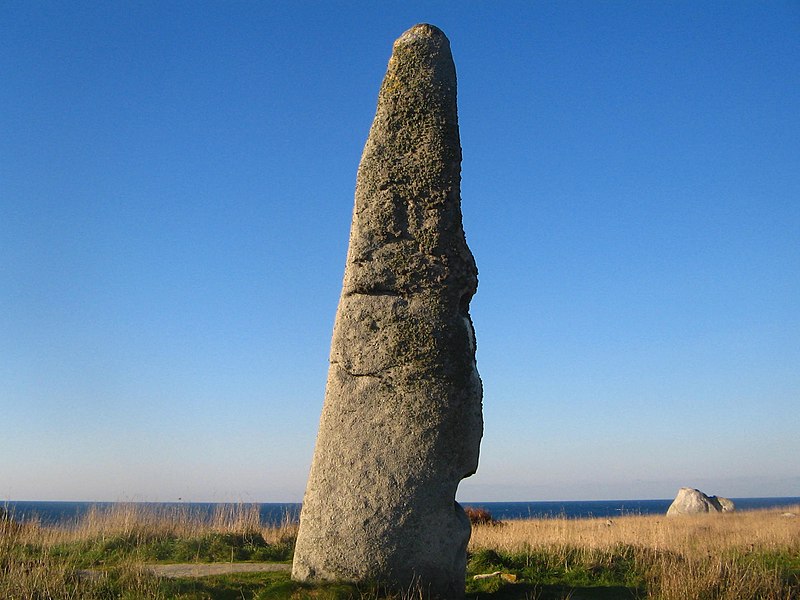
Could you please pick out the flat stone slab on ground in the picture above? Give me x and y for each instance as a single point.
(204, 569)
(180, 570)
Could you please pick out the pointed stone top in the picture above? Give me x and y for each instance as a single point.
(423, 44)
(420, 32)
(421, 72)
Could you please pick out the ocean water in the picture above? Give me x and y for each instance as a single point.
(67, 512)
(582, 509)
(61, 513)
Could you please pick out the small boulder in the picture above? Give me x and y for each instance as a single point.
(725, 504)
(690, 501)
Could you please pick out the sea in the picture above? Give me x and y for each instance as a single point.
(64, 513)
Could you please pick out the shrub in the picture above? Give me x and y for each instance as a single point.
(480, 516)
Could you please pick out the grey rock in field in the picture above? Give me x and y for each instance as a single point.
(725, 504)
(401, 424)
(690, 501)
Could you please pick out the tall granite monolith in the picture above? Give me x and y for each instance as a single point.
(401, 423)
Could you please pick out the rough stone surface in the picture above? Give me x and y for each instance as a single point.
(401, 423)
(690, 501)
(725, 504)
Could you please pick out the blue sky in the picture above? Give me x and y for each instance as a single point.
(176, 186)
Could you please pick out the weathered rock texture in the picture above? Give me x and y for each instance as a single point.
(725, 504)
(401, 423)
(690, 501)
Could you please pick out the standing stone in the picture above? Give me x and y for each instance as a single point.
(401, 424)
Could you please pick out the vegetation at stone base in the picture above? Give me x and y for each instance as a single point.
(260, 586)
(480, 516)
(741, 556)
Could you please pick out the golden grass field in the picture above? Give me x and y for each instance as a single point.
(720, 556)
(736, 556)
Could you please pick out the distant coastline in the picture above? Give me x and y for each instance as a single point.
(57, 512)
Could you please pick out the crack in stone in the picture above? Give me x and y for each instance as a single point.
(377, 373)
(372, 292)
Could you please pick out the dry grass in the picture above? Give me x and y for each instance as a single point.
(730, 556)
(736, 556)
(151, 522)
(102, 554)
(685, 535)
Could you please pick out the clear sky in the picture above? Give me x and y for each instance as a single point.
(176, 187)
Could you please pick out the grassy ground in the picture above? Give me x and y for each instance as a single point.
(734, 556)
(105, 555)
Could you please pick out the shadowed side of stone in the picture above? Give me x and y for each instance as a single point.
(401, 423)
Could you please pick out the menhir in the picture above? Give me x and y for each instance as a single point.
(401, 424)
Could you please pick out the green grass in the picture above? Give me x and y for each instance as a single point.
(252, 586)
(754, 557)
(784, 563)
(213, 547)
(539, 576)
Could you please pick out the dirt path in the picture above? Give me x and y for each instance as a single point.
(203, 569)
